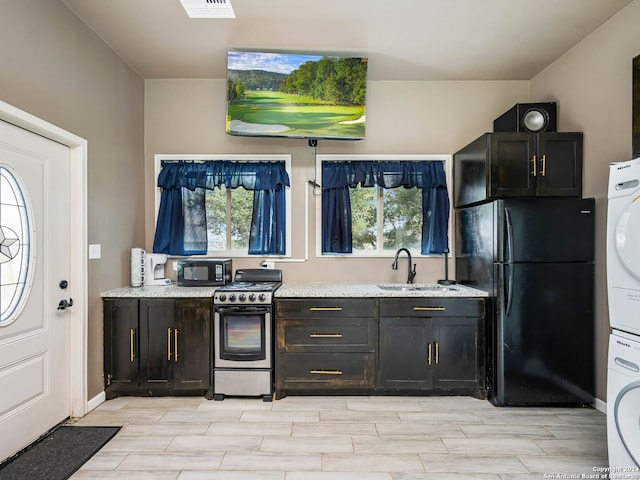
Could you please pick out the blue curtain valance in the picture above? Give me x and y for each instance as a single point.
(424, 174)
(216, 173)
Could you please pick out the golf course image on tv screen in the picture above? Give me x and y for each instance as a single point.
(296, 95)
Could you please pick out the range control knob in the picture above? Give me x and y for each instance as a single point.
(242, 297)
(262, 297)
(252, 297)
(232, 297)
(222, 297)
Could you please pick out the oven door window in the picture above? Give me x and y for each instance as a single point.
(243, 335)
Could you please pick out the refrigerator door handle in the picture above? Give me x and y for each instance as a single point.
(508, 288)
(509, 235)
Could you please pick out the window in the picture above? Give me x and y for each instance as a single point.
(228, 213)
(16, 246)
(385, 219)
(374, 204)
(232, 205)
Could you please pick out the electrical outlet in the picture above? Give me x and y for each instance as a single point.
(175, 266)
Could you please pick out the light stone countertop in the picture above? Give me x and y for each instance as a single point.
(355, 290)
(160, 291)
(307, 290)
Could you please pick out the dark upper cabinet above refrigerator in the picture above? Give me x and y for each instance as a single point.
(518, 164)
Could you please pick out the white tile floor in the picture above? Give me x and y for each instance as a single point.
(343, 438)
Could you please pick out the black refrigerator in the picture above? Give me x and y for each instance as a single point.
(535, 256)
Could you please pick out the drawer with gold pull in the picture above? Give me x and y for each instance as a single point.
(319, 371)
(325, 307)
(432, 307)
(323, 335)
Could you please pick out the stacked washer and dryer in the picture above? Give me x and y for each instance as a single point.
(623, 285)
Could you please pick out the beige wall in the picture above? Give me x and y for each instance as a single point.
(592, 85)
(187, 116)
(55, 68)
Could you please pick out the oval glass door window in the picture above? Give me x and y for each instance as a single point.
(16, 246)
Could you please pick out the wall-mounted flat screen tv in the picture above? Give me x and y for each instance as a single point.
(296, 95)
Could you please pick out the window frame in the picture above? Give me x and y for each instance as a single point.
(448, 165)
(286, 158)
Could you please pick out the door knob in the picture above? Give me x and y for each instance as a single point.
(64, 304)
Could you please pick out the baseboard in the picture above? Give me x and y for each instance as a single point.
(96, 401)
(600, 405)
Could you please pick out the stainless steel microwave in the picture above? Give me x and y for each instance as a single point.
(204, 272)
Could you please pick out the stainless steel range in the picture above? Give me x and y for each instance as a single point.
(243, 334)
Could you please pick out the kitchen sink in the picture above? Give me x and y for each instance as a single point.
(408, 287)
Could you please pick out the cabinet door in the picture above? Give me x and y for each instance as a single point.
(156, 344)
(121, 346)
(192, 345)
(457, 361)
(559, 164)
(406, 354)
(511, 159)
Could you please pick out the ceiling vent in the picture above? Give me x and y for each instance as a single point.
(208, 8)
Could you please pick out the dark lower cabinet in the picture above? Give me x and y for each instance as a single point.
(389, 345)
(325, 346)
(121, 350)
(458, 354)
(432, 345)
(157, 346)
(192, 346)
(424, 354)
(406, 354)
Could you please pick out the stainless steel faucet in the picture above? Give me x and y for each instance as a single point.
(394, 265)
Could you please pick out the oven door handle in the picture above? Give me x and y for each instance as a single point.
(242, 309)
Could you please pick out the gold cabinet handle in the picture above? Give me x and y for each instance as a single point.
(429, 354)
(325, 309)
(132, 337)
(175, 345)
(437, 352)
(168, 344)
(534, 170)
(544, 165)
(322, 371)
(429, 309)
(325, 335)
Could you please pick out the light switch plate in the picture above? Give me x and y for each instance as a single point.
(94, 251)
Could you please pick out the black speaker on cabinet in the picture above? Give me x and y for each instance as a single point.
(527, 117)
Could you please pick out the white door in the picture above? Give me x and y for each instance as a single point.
(34, 264)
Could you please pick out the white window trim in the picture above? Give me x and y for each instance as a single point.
(159, 158)
(448, 163)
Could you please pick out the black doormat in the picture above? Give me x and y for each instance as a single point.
(58, 455)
